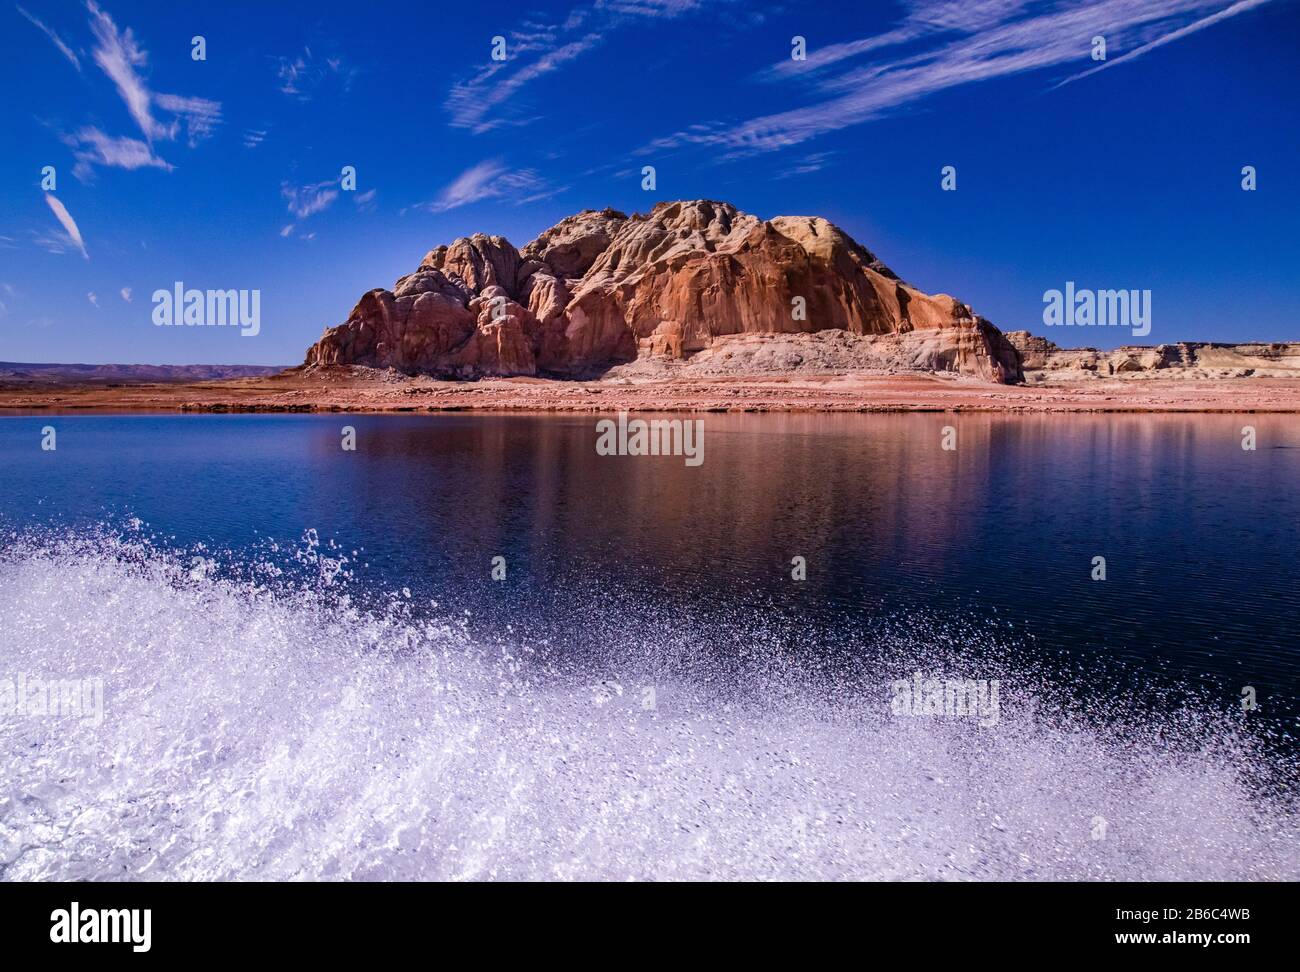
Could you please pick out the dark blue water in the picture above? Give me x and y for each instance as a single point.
(1199, 536)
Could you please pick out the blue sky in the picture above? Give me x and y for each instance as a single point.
(224, 173)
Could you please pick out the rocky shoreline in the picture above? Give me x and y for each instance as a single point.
(356, 389)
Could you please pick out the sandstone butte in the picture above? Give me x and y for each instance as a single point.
(601, 289)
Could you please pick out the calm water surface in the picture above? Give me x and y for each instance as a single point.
(1199, 536)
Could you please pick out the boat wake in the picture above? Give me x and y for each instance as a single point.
(254, 727)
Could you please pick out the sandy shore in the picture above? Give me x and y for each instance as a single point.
(299, 391)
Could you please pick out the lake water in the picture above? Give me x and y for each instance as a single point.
(310, 670)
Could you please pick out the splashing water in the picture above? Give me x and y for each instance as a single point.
(255, 729)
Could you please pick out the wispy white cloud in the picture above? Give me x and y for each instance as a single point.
(472, 102)
(306, 201)
(946, 44)
(49, 32)
(91, 148)
(118, 56)
(93, 298)
(68, 223)
(200, 115)
(491, 179)
(289, 74)
(253, 137)
(481, 102)
(1169, 38)
(126, 294)
(655, 9)
(365, 201)
(302, 75)
(52, 242)
(122, 59)
(814, 162)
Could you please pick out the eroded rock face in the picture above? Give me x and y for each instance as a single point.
(477, 262)
(600, 288)
(571, 246)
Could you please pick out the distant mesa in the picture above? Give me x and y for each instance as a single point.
(696, 281)
(1044, 361)
(13, 373)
